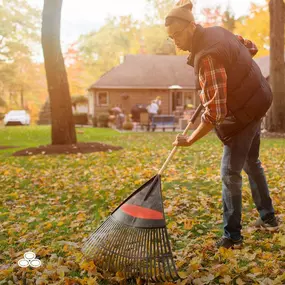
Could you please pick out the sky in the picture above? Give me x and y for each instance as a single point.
(82, 16)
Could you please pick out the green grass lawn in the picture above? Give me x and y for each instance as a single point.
(50, 203)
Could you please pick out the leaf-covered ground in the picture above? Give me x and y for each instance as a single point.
(50, 203)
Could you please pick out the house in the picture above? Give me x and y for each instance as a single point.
(140, 79)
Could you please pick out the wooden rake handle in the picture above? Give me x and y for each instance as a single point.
(192, 120)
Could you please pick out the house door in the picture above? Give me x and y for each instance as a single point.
(176, 100)
(189, 98)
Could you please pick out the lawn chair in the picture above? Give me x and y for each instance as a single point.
(144, 121)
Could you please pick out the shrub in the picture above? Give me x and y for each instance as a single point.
(103, 120)
(80, 119)
(128, 126)
(94, 121)
(80, 99)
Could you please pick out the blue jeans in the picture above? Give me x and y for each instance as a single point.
(242, 152)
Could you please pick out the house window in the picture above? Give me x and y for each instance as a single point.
(102, 99)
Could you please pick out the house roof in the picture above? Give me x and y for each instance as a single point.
(149, 71)
(157, 72)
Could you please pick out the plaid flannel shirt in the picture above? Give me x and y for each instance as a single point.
(213, 81)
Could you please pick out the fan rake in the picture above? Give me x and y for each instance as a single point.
(134, 239)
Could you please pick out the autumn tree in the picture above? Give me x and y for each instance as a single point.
(78, 76)
(103, 49)
(255, 27)
(212, 17)
(153, 30)
(19, 30)
(63, 129)
(229, 20)
(158, 9)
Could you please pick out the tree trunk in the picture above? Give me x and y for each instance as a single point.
(276, 116)
(63, 129)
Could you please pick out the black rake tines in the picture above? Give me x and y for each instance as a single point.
(135, 252)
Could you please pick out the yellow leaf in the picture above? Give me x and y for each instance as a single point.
(282, 240)
(120, 274)
(180, 263)
(50, 266)
(268, 245)
(220, 269)
(6, 272)
(255, 270)
(81, 217)
(188, 224)
(61, 274)
(172, 225)
(87, 265)
(195, 263)
(183, 274)
(43, 252)
(92, 281)
(280, 279)
(14, 195)
(65, 248)
(78, 256)
(48, 226)
(267, 255)
(60, 223)
(226, 253)
(239, 282)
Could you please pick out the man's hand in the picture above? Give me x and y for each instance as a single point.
(200, 132)
(182, 141)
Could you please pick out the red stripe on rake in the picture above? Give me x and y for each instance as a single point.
(141, 212)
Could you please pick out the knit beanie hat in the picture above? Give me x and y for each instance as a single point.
(182, 10)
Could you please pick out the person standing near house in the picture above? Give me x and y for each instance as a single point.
(121, 119)
(152, 110)
(158, 102)
(235, 96)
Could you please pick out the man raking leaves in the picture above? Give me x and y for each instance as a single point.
(134, 240)
(236, 96)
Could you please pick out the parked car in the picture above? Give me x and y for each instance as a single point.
(17, 117)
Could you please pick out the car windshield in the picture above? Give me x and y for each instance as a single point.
(17, 113)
